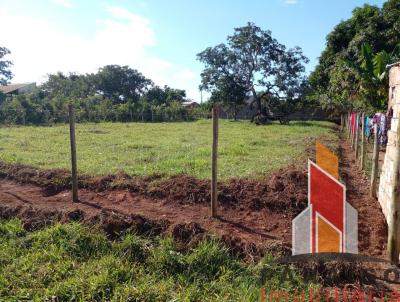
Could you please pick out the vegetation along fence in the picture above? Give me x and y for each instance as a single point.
(385, 131)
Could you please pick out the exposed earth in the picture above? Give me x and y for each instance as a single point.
(254, 216)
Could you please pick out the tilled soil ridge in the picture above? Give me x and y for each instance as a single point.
(254, 216)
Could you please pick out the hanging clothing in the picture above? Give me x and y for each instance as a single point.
(382, 123)
(382, 129)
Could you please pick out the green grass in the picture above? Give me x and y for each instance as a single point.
(165, 149)
(73, 263)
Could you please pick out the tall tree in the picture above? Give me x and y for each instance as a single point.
(70, 85)
(166, 95)
(253, 60)
(230, 95)
(5, 72)
(120, 83)
(337, 86)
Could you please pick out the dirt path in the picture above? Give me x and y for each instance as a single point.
(253, 215)
(371, 222)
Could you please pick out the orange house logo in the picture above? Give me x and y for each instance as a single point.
(329, 223)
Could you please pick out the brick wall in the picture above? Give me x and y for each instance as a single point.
(386, 179)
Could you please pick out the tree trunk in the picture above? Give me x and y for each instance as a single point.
(235, 112)
(261, 116)
(257, 100)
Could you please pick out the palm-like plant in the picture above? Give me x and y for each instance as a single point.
(373, 74)
(383, 59)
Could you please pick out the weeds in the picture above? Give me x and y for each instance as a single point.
(73, 263)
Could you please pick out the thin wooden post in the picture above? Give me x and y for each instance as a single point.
(362, 141)
(348, 125)
(356, 132)
(375, 158)
(73, 153)
(393, 213)
(341, 122)
(349, 134)
(353, 126)
(214, 157)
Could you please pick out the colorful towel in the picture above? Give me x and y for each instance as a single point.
(366, 126)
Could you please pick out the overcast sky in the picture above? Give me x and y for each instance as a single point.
(160, 38)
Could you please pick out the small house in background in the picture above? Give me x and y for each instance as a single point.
(190, 104)
(15, 89)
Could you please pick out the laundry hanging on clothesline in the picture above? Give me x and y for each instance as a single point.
(367, 129)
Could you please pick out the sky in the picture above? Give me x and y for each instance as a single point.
(160, 38)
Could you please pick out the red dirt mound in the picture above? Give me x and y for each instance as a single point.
(253, 215)
(285, 191)
(185, 232)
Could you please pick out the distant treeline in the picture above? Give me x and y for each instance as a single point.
(114, 93)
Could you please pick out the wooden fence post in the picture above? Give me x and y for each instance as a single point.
(341, 122)
(375, 158)
(214, 167)
(349, 126)
(73, 153)
(393, 213)
(362, 140)
(353, 127)
(356, 131)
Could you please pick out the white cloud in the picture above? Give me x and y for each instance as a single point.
(290, 2)
(65, 3)
(185, 74)
(40, 47)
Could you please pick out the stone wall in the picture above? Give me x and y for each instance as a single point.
(386, 178)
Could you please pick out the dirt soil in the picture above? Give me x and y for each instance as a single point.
(254, 216)
(372, 227)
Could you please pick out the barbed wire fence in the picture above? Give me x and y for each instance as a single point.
(71, 115)
(50, 116)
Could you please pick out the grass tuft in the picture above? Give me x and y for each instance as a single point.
(73, 263)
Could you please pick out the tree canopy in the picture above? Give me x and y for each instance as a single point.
(230, 95)
(5, 72)
(342, 80)
(253, 60)
(166, 95)
(121, 82)
(114, 93)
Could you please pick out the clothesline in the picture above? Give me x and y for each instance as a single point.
(383, 121)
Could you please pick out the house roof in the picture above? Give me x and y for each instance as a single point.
(13, 87)
(188, 103)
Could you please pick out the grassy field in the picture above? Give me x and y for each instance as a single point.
(165, 149)
(72, 263)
